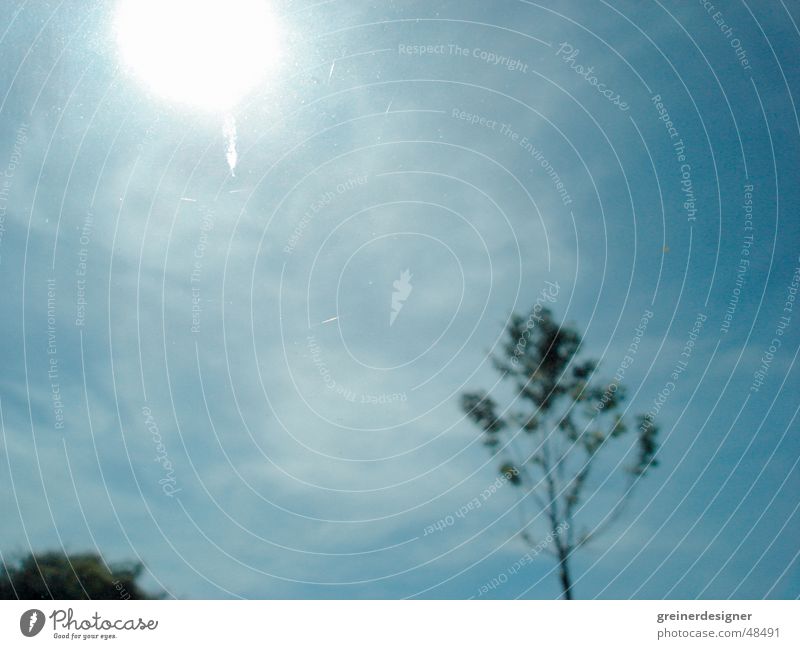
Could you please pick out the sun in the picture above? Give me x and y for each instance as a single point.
(205, 53)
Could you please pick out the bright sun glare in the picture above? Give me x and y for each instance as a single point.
(207, 53)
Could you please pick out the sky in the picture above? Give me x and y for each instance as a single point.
(248, 379)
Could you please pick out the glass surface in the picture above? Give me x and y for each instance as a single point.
(406, 299)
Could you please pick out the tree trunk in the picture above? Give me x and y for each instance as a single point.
(563, 572)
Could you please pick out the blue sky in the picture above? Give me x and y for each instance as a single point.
(357, 161)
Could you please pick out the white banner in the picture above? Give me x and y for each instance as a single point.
(401, 624)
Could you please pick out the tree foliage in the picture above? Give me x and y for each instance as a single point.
(55, 575)
(561, 422)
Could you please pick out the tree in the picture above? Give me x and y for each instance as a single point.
(565, 421)
(54, 575)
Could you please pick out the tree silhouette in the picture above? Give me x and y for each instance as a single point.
(55, 575)
(565, 421)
